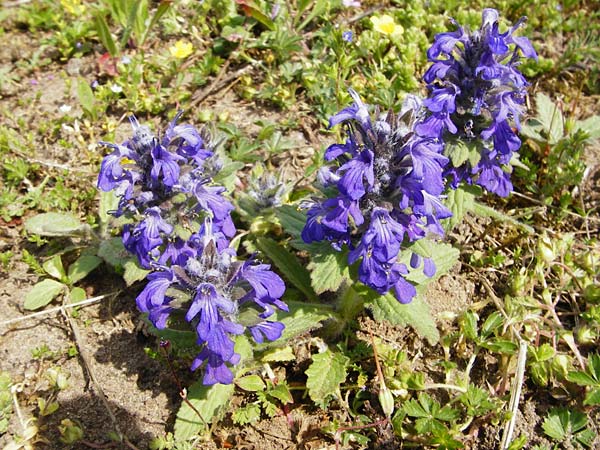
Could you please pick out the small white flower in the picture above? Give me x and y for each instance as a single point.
(64, 109)
(116, 88)
(125, 60)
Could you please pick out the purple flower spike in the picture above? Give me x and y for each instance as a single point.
(477, 91)
(388, 179)
(148, 174)
(220, 289)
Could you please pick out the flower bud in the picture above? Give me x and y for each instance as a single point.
(545, 250)
(386, 400)
(585, 335)
(560, 365)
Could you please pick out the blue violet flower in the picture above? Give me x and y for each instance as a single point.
(476, 100)
(221, 298)
(385, 188)
(166, 191)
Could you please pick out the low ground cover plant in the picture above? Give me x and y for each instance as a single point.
(429, 153)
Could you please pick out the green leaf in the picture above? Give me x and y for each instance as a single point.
(458, 153)
(594, 366)
(582, 379)
(586, 437)
(591, 126)
(113, 252)
(227, 176)
(501, 346)
(577, 421)
(551, 118)
(133, 272)
(281, 392)
(108, 202)
(163, 7)
(553, 426)
(592, 398)
(491, 324)
(42, 293)
(487, 211)
(324, 376)
(77, 294)
(246, 414)
(543, 353)
(56, 224)
(140, 22)
(86, 98)
(289, 266)
(209, 401)
(415, 314)
(318, 10)
(252, 9)
(460, 201)
(444, 257)
(447, 414)
(468, 325)
(82, 267)
(252, 383)
(178, 338)
(54, 267)
(131, 17)
(244, 348)
(292, 220)
(328, 271)
(105, 36)
(279, 355)
(301, 318)
(414, 409)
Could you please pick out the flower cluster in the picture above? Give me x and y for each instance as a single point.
(225, 295)
(387, 183)
(476, 97)
(179, 226)
(165, 189)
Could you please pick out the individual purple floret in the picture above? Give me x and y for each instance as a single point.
(387, 182)
(222, 298)
(476, 98)
(165, 189)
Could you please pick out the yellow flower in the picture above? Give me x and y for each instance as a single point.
(386, 25)
(73, 7)
(181, 49)
(126, 161)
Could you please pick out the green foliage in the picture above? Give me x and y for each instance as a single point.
(289, 266)
(556, 144)
(209, 401)
(328, 270)
(269, 398)
(47, 290)
(87, 99)
(416, 314)
(301, 318)
(6, 404)
(55, 225)
(490, 336)
(43, 293)
(590, 378)
(324, 376)
(568, 427)
(429, 414)
(134, 19)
